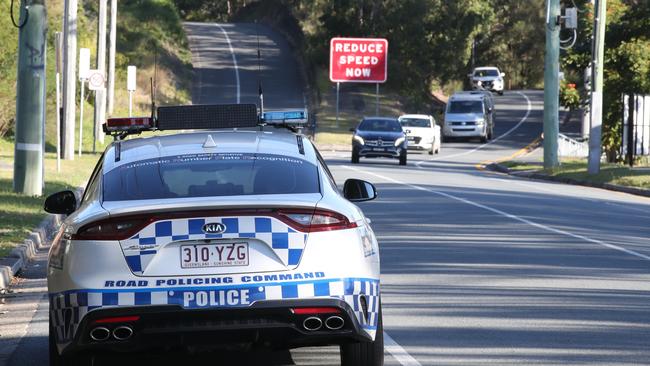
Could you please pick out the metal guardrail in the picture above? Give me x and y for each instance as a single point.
(571, 147)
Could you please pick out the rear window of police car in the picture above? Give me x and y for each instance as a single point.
(207, 175)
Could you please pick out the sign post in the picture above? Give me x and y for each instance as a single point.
(84, 68)
(358, 60)
(131, 86)
(58, 47)
(97, 83)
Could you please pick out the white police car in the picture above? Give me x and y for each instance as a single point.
(236, 234)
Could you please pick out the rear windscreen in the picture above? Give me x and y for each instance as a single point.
(209, 175)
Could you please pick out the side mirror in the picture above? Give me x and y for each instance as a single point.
(64, 202)
(503, 74)
(357, 190)
(353, 129)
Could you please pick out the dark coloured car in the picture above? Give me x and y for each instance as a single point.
(379, 137)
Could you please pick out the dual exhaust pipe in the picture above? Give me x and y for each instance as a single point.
(121, 333)
(314, 323)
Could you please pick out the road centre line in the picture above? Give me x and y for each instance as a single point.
(528, 110)
(505, 214)
(234, 61)
(398, 352)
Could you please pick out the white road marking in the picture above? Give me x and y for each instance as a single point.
(508, 215)
(234, 61)
(398, 352)
(528, 110)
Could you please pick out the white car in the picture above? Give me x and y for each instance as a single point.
(214, 238)
(487, 78)
(422, 132)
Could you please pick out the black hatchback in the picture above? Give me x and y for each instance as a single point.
(379, 137)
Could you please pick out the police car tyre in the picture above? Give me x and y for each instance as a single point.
(365, 353)
(484, 139)
(433, 148)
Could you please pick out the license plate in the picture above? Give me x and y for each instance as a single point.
(214, 255)
(378, 149)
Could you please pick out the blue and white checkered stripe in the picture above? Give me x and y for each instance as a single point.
(287, 243)
(68, 309)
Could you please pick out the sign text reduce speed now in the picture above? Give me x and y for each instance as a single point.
(361, 60)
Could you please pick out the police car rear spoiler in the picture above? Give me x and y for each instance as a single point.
(205, 117)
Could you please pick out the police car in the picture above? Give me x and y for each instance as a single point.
(231, 235)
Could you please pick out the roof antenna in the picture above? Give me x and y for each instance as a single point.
(259, 71)
(153, 87)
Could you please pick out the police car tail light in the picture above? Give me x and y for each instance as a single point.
(316, 310)
(112, 229)
(317, 220)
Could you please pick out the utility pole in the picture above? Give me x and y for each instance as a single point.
(30, 98)
(69, 78)
(551, 84)
(100, 95)
(111, 57)
(598, 66)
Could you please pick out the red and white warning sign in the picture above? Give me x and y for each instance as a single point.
(96, 80)
(360, 60)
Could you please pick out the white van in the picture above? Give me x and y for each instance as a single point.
(469, 115)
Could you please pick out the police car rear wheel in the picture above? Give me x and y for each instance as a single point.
(365, 353)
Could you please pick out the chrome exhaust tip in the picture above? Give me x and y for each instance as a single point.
(312, 323)
(334, 323)
(122, 333)
(100, 334)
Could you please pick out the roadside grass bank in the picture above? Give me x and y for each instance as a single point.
(150, 36)
(576, 169)
(20, 214)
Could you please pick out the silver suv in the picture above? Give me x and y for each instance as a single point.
(487, 78)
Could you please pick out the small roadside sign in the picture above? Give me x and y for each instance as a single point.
(359, 60)
(130, 78)
(96, 80)
(84, 63)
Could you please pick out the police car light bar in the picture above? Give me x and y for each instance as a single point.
(128, 125)
(289, 117)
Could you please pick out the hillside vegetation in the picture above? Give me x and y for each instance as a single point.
(145, 28)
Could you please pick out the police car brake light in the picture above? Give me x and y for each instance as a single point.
(291, 117)
(128, 124)
(314, 221)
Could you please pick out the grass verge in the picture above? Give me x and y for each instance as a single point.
(638, 177)
(20, 214)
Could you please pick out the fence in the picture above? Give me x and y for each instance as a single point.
(636, 127)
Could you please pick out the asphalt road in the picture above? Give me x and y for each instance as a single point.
(478, 268)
